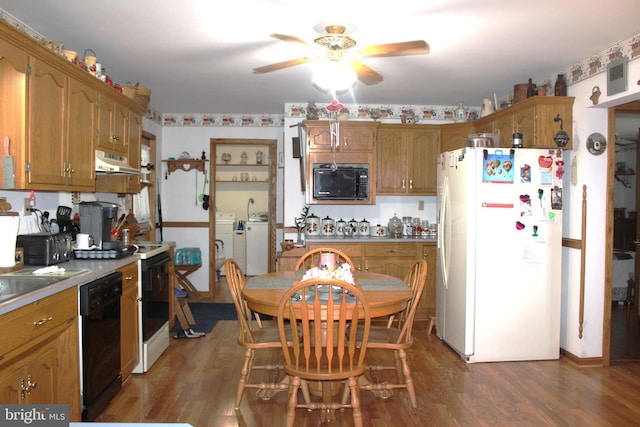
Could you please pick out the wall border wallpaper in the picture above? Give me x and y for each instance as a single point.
(629, 48)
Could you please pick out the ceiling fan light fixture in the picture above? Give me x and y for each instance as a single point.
(334, 75)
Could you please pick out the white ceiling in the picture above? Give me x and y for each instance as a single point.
(197, 56)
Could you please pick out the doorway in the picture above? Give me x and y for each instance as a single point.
(243, 181)
(624, 320)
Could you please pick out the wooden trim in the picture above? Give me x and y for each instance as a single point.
(185, 224)
(572, 243)
(587, 362)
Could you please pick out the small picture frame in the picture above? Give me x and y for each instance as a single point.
(617, 75)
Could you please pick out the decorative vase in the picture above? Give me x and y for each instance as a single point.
(561, 86)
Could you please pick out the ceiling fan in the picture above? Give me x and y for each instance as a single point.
(334, 44)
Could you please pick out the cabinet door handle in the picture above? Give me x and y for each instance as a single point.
(345, 142)
(23, 390)
(133, 277)
(403, 184)
(411, 184)
(30, 385)
(42, 321)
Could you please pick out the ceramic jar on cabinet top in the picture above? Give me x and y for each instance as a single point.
(340, 225)
(312, 227)
(355, 226)
(328, 227)
(363, 228)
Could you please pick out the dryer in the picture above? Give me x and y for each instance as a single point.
(225, 223)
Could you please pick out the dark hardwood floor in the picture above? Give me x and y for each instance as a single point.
(625, 337)
(195, 382)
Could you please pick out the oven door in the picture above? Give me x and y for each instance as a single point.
(155, 293)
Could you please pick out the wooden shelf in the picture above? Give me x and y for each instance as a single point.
(186, 165)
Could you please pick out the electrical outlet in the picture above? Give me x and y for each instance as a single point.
(420, 205)
(26, 205)
(75, 197)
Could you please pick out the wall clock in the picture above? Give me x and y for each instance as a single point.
(596, 144)
(617, 76)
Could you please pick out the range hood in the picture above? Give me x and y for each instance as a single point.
(113, 163)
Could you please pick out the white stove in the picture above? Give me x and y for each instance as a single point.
(149, 249)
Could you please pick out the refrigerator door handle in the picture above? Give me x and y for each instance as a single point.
(441, 229)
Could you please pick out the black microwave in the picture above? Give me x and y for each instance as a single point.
(340, 181)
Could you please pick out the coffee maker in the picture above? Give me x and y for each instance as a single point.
(97, 219)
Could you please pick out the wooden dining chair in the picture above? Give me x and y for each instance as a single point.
(398, 338)
(310, 259)
(264, 337)
(319, 346)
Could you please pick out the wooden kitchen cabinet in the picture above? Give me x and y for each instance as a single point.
(454, 136)
(287, 259)
(394, 259)
(129, 331)
(532, 117)
(125, 183)
(113, 126)
(427, 305)
(406, 159)
(50, 114)
(39, 353)
(353, 136)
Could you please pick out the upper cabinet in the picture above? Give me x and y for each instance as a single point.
(533, 118)
(351, 136)
(406, 159)
(55, 114)
(454, 135)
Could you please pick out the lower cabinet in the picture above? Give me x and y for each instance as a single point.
(39, 354)
(129, 331)
(391, 258)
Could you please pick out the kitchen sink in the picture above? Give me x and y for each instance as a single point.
(22, 282)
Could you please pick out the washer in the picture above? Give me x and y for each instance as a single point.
(225, 222)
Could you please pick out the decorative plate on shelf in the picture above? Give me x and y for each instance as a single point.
(596, 144)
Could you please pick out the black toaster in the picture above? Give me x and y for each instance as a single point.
(45, 248)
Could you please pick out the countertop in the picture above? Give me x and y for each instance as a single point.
(95, 268)
(370, 239)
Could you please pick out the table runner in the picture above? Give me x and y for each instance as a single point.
(265, 282)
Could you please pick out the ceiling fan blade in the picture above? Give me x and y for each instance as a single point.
(288, 38)
(280, 65)
(415, 47)
(365, 74)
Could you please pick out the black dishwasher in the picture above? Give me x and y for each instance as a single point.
(100, 335)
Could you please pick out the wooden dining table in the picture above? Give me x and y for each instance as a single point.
(385, 295)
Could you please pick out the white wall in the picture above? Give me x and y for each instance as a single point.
(592, 172)
(179, 190)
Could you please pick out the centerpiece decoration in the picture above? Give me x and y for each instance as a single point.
(341, 272)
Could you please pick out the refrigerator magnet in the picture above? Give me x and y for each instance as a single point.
(525, 173)
(556, 198)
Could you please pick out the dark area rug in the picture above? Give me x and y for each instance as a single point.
(207, 314)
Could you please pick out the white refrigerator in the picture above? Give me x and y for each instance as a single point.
(499, 253)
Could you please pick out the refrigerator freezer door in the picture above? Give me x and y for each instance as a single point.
(456, 290)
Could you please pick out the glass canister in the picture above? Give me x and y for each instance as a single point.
(395, 227)
(415, 222)
(408, 226)
(424, 228)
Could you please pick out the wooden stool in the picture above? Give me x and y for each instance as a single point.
(185, 317)
(182, 271)
(432, 323)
